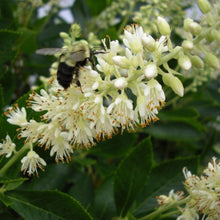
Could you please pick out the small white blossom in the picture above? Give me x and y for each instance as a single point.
(89, 79)
(122, 112)
(7, 147)
(149, 42)
(189, 214)
(31, 162)
(154, 94)
(161, 45)
(114, 48)
(99, 119)
(120, 83)
(120, 61)
(171, 198)
(133, 38)
(61, 147)
(105, 67)
(17, 116)
(205, 190)
(185, 62)
(150, 71)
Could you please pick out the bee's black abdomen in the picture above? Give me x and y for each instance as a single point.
(65, 74)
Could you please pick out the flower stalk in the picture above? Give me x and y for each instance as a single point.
(17, 155)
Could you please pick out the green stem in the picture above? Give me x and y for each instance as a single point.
(169, 56)
(14, 159)
(168, 214)
(132, 5)
(162, 209)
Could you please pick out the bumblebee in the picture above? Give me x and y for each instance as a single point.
(70, 61)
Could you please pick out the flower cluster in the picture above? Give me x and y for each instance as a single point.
(7, 147)
(203, 194)
(121, 93)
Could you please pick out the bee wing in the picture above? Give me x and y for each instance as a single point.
(78, 55)
(48, 51)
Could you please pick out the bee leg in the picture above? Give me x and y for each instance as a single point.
(91, 60)
(77, 78)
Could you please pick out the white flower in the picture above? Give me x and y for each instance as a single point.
(213, 172)
(61, 147)
(129, 60)
(154, 92)
(185, 62)
(121, 111)
(144, 110)
(189, 214)
(89, 79)
(120, 61)
(161, 45)
(48, 132)
(83, 135)
(149, 42)
(31, 162)
(114, 48)
(31, 131)
(150, 71)
(133, 38)
(100, 121)
(105, 67)
(171, 198)
(120, 83)
(17, 116)
(7, 147)
(205, 190)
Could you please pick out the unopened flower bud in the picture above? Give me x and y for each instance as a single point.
(150, 70)
(210, 19)
(204, 6)
(195, 28)
(174, 83)
(217, 36)
(187, 45)
(120, 83)
(185, 62)
(149, 43)
(67, 41)
(64, 35)
(120, 61)
(75, 30)
(163, 26)
(186, 24)
(211, 35)
(212, 61)
(197, 62)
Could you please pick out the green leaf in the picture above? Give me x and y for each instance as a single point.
(174, 131)
(115, 147)
(27, 42)
(131, 176)
(5, 199)
(104, 204)
(83, 190)
(47, 205)
(10, 184)
(54, 177)
(96, 8)
(8, 88)
(163, 178)
(2, 101)
(7, 41)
